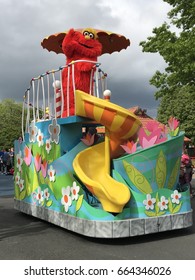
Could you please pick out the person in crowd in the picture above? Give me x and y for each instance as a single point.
(186, 169)
(6, 161)
(11, 152)
(1, 161)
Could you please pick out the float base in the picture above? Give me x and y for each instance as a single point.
(108, 229)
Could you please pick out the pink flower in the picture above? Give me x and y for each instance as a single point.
(147, 140)
(152, 126)
(27, 155)
(173, 123)
(44, 168)
(155, 137)
(164, 131)
(130, 147)
(37, 160)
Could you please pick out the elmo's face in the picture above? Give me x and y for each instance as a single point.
(85, 44)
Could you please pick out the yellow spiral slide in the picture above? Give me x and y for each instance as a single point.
(92, 165)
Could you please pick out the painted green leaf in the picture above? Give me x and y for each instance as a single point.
(27, 181)
(176, 131)
(41, 178)
(49, 203)
(161, 213)
(157, 209)
(28, 189)
(79, 202)
(34, 182)
(22, 194)
(50, 184)
(150, 213)
(170, 206)
(177, 208)
(17, 192)
(174, 174)
(137, 178)
(161, 170)
(26, 172)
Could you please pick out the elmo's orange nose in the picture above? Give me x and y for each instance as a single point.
(87, 37)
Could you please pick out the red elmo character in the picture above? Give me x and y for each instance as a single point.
(79, 46)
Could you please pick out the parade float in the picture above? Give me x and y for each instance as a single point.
(119, 184)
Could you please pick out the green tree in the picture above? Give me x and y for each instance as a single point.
(10, 122)
(176, 85)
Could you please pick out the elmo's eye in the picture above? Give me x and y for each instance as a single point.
(91, 35)
(86, 33)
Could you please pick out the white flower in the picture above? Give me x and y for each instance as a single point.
(175, 197)
(54, 131)
(21, 184)
(51, 172)
(46, 194)
(48, 145)
(149, 202)
(19, 161)
(32, 132)
(40, 138)
(163, 203)
(74, 191)
(17, 178)
(39, 195)
(66, 199)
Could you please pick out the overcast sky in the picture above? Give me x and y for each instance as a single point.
(24, 24)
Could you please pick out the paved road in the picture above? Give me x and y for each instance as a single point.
(24, 237)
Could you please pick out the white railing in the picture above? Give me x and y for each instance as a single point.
(44, 99)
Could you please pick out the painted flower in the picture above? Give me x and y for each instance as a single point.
(27, 155)
(152, 125)
(66, 199)
(44, 168)
(21, 184)
(32, 132)
(173, 126)
(130, 147)
(74, 191)
(19, 161)
(175, 197)
(51, 172)
(37, 161)
(39, 195)
(48, 145)
(17, 179)
(46, 194)
(173, 123)
(148, 140)
(164, 131)
(40, 138)
(54, 131)
(162, 204)
(149, 202)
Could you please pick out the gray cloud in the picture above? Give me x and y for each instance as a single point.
(24, 24)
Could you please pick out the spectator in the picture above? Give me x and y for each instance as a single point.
(187, 166)
(12, 156)
(1, 161)
(6, 161)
